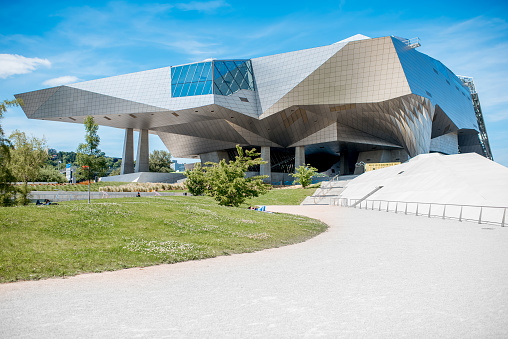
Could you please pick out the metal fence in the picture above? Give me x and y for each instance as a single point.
(495, 215)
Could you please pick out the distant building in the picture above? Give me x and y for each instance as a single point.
(359, 100)
(177, 167)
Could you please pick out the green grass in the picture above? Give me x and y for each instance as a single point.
(282, 197)
(39, 242)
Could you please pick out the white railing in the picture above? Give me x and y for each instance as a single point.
(327, 186)
(495, 215)
(413, 42)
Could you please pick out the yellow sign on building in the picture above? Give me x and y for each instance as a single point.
(375, 166)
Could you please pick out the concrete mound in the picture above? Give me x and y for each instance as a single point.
(462, 179)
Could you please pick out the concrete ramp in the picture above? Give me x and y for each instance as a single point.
(466, 179)
(367, 196)
(463, 182)
(169, 178)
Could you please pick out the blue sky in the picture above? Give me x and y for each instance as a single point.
(50, 43)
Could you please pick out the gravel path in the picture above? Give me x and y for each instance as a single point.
(373, 274)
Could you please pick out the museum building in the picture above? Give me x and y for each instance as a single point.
(360, 100)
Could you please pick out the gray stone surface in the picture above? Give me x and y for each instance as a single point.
(154, 177)
(299, 156)
(266, 169)
(371, 275)
(142, 157)
(56, 196)
(128, 152)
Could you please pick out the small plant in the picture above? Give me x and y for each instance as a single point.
(304, 175)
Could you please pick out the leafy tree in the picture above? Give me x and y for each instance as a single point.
(113, 164)
(28, 155)
(304, 175)
(7, 190)
(227, 183)
(116, 171)
(160, 161)
(89, 154)
(67, 157)
(63, 157)
(50, 174)
(196, 181)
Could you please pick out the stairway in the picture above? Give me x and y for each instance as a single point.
(328, 190)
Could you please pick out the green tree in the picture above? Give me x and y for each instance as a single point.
(304, 175)
(113, 162)
(49, 173)
(7, 189)
(160, 161)
(196, 181)
(89, 154)
(115, 171)
(28, 155)
(226, 182)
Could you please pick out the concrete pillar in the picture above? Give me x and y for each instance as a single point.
(299, 156)
(266, 169)
(343, 163)
(216, 157)
(128, 153)
(143, 152)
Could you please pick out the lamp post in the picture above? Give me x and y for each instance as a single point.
(59, 162)
(84, 167)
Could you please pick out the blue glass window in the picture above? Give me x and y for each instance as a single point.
(228, 77)
(185, 89)
(231, 76)
(177, 90)
(191, 79)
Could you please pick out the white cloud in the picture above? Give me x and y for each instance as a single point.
(208, 6)
(195, 48)
(67, 79)
(11, 64)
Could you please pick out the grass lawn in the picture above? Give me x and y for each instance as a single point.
(282, 196)
(74, 237)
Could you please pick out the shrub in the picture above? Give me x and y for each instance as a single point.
(226, 182)
(196, 181)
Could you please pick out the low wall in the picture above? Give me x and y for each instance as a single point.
(169, 178)
(72, 195)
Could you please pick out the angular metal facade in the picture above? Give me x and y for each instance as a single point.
(354, 96)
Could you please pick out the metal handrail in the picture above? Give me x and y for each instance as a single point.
(335, 178)
(327, 186)
(345, 202)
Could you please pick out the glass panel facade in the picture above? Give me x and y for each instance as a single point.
(217, 77)
(232, 76)
(193, 79)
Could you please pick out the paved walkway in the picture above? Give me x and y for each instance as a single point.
(373, 274)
